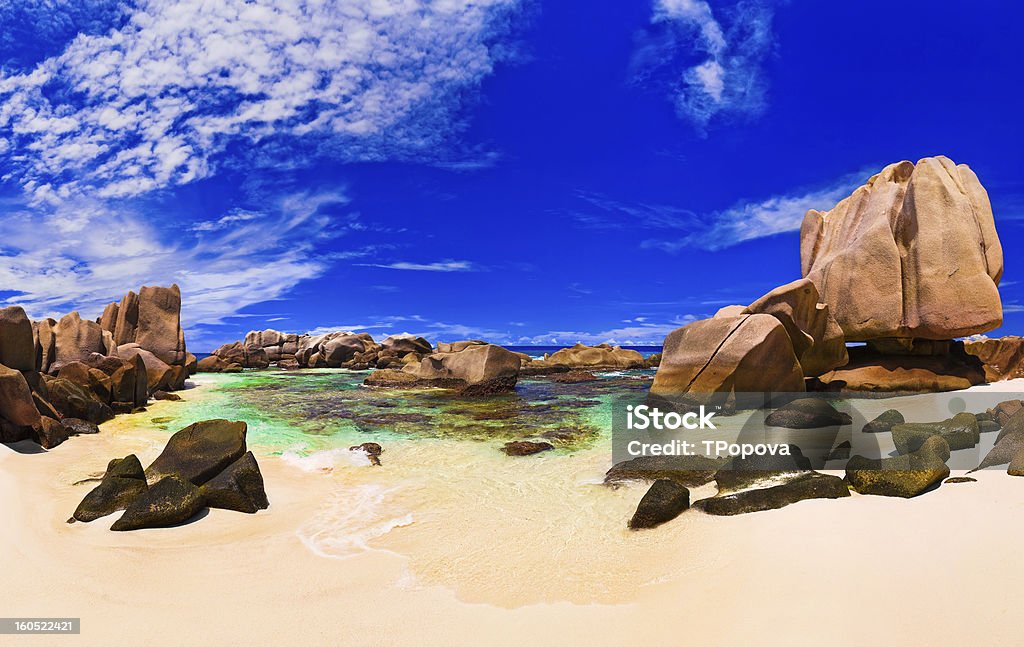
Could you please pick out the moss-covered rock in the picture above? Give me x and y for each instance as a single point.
(776, 493)
(200, 451)
(960, 432)
(906, 475)
(123, 482)
(172, 500)
(807, 413)
(884, 422)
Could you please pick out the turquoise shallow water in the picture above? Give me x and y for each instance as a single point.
(323, 409)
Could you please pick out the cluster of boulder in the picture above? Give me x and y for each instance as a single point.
(62, 378)
(204, 465)
(757, 483)
(903, 267)
(407, 361)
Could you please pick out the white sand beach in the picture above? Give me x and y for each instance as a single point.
(530, 552)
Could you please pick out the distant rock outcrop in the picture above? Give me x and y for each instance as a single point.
(471, 367)
(581, 356)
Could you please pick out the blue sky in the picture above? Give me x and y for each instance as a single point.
(526, 172)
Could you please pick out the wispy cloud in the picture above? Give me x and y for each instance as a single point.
(439, 266)
(159, 99)
(728, 78)
(678, 228)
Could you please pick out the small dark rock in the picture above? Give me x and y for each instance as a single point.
(884, 422)
(172, 500)
(689, 471)
(574, 377)
(164, 395)
(664, 501)
(961, 479)
(796, 487)
(807, 413)
(525, 447)
(373, 451)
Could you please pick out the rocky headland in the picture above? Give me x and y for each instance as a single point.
(60, 378)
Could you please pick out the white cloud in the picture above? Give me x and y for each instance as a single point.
(157, 101)
(92, 255)
(439, 266)
(729, 80)
(752, 220)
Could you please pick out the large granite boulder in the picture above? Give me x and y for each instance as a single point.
(171, 501)
(72, 400)
(123, 482)
(406, 343)
(75, 339)
(1002, 357)
(159, 324)
(45, 344)
(906, 475)
(277, 345)
(200, 451)
(16, 404)
(817, 338)
(728, 355)
(17, 343)
(912, 253)
(336, 350)
(245, 355)
(160, 376)
(475, 368)
(216, 364)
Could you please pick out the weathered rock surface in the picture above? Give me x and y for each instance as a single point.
(75, 339)
(215, 364)
(244, 355)
(906, 475)
(807, 413)
(948, 368)
(200, 451)
(17, 343)
(16, 404)
(596, 357)
(239, 487)
(405, 343)
(122, 484)
(171, 501)
(912, 253)
(730, 355)
(478, 368)
(74, 401)
(1002, 357)
(776, 493)
(78, 427)
(664, 501)
(1009, 443)
(817, 338)
(159, 324)
(884, 422)
(277, 345)
(960, 432)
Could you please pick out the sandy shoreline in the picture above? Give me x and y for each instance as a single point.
(933, 570)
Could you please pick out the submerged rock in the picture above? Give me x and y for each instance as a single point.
(664, 501)
(123, 482)
(372, 450)
(906, 476)
(807, 413)
(960, 432)
(573, 377)
(884, 422)
(239, 487)
(200, 451)
(525, 447)
(172, 500)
